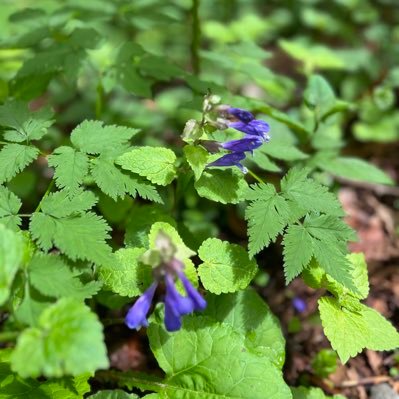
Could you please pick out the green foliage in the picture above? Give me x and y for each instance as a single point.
(114, 394)
(311, 393)
(188, 358)
(10, 204)
(324, 363)
(68, 340)
(226, 266)
(350, 331)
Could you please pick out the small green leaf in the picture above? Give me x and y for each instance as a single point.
(10, 204)
(114, 394)
(94, 138)
(68, 340)
(157, 164)
(71, 167)
(351, 331)
(14, 158)
(319, 95)
(224, 186)
(126, 275)
(197, 157)
(11, 252)
(53, 278)
(312, 393)
(226, 267)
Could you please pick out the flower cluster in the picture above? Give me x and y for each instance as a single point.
(256, 133)
(176, 305)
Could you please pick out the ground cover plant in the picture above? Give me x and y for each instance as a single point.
(173, 214)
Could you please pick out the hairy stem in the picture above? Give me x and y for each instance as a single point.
(49, 188)
(195, 37)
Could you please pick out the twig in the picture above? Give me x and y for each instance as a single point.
(365, 381)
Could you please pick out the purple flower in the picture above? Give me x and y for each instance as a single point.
(176, 305)
(248, 143)
(199, 303)
(253, 128)
(241, 114)
(232, 159)
(137, 315)
(299, 304)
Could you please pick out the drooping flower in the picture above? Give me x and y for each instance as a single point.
(231, 159)
(241, 114)
(248, 143)
(176, 305)
(254, 128)
(299, 305)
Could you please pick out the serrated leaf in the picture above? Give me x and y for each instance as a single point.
(250, 316)
(68, 340)
(157, 164)
(60, 205)
(126, 275)
(224, 186)
(53, 278)
(10, 204)
(355, 169)
(197, 158)
(11, 252)
(308, 194)
(71, 167)
(113, 182)
(14, 158)
(78, 237)
(190, 358)
(94, 138)
(298, 251)
(267, 215)
(350, 332)
(226, 267)
(23, 124)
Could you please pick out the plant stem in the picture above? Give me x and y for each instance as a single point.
(195, 37)
(49, 188)
(255, 176)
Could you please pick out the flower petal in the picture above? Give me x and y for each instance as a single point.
(136, 317)
(248, 143)
(241, 114)
(182, 304)
(193, 294)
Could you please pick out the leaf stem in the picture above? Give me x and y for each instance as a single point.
(195, 37)
(49, 188)
(256, 177)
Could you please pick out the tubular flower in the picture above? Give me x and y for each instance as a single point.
(256, 133)
(176, 305)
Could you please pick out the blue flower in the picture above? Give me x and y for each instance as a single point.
(137, 315)
(232, 159)
(299, 305)
(248, 143)
(254, 128)
(241, 114)
(176, 305)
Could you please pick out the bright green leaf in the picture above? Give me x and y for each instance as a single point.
(10, 204)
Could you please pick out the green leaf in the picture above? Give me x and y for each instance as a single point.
(157, 164)
(225, 186)
(193, 357)
(126, 275)
(68, 340)
(329, 235)
(53, 278)
(298, 251)
(11, 252)
(71, 167)
(78, 237)
(14, 158)
(267, 215)
(197, 158)
(94, 138)
(319, 95)
(309, 194)
(10, 204)
(355, 169)
(312, 393)
(250, 316)
(23, 124)
(12, 386)
(226, 267)
(351, 331)
(114, 394)
(113, 182)
(284, 151)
